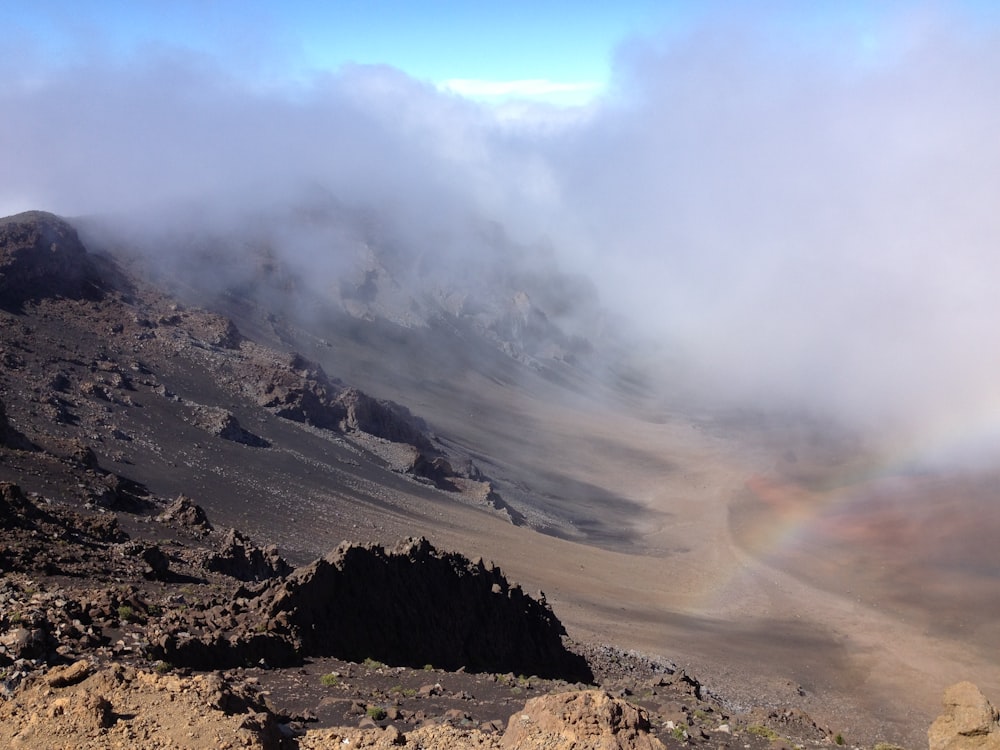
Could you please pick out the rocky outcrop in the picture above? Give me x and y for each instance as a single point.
(969, 721)
(409, 606)
(381, 418)
(299, 390)
(9, 436)
(41, 256)
(29, 528)
(239, 558)
(118, 708)
(587, 719)
(224, 424)
(185, 512)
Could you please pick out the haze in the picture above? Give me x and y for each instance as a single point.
(798, 203)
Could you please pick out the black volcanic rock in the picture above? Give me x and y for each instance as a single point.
(185, 512)
(9, 436)
(41, 256)
(410, 606)
(239, 558)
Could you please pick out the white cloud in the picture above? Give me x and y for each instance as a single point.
(533, 88)
(804, 224)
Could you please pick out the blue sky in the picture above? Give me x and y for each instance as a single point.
(566, 44)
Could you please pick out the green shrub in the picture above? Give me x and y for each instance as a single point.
(376, 713)
(759, 730)
(329, 680)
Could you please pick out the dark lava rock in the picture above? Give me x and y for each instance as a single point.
(409, 606)
(242, 560)
(185, 512)
(223, 424)
(301, 391)
(16, 510)
(41, 256)
(437, 469)
(10, 436)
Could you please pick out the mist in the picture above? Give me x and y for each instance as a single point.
(800, 208)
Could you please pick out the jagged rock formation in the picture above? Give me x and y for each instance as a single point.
(185, 512)
(588, 719)
(239, 558)
(412, 605)
(299, 390)
(969, 721)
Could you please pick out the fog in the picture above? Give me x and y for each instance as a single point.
(801, 207)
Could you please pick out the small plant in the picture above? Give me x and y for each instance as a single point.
(329, 680)
(886, 746)
(839, 738)
(126, 613)
(162, 667)
(679, 733)
(428, 667)
(370, 663)
(376, 713)
(759, 730)
(702, 715)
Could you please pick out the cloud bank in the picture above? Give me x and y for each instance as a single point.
(800, 207)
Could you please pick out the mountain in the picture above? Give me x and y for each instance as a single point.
(188, 417)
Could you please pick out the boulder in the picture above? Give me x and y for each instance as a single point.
(969, 721)
(224, 424)
(185, 512)
(584, 720)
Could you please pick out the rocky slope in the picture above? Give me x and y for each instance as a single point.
(129, 614)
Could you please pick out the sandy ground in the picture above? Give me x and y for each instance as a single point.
(684, 587)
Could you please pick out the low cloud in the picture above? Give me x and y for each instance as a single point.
(801, 208)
